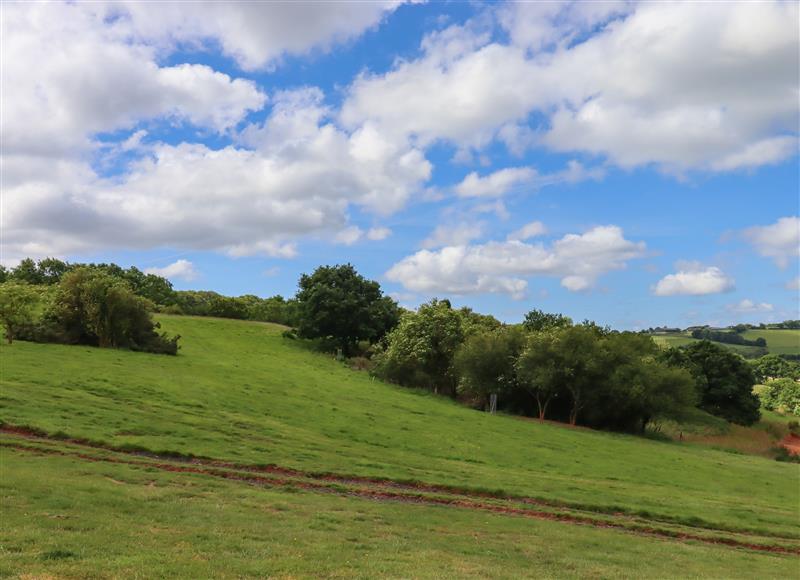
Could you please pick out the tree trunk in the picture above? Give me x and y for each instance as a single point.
(542, 407)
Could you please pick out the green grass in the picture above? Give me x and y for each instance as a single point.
(675, 339)
(63, 518)
(778, 341)
(241, 392)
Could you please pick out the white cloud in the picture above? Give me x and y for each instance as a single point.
(254, 34)
(634, 92)
(747, 306)
(72, 76)
(298, 180)
(503, 181)
(578, 259)
(530, 230)
(349, 236)
(495, 184)
(779, 241)
(180, 269)
(694, 279)
(453, 235)
(378, 234)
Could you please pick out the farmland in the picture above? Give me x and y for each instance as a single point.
(243, 396)
(778, 341)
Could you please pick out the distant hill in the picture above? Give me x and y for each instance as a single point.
(780, 341)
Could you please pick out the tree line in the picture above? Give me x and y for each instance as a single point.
(547, 366)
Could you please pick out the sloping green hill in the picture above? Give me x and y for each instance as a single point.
(779, 341)
(240, 392)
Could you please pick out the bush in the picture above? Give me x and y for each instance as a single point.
(781, 395)
(94, 308)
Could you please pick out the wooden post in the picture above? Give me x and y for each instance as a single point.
(493, 403)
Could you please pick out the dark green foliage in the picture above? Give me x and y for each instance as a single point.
(773, 366)
(724, 380)
(337, 303)
(781, 395)
(485, 363)
(18, 302)
(95, 308)
(538, 320)
(420, 350)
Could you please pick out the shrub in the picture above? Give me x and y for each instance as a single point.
(92, 307)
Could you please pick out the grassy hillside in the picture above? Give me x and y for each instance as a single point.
(778, 341)
(240, 392)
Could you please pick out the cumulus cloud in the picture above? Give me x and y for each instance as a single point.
(72, 76)
(297, 179)
(501, 267)
(453, 235)
(377, 234)
(779, 241)
(694, 279)
(495, 184)
(530, 230)
(634, 91)
(747, 306)
(349, 236)
(180, 269)
(254, 34)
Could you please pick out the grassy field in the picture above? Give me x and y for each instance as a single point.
(240, 392)
(166, 525)
(778, 342)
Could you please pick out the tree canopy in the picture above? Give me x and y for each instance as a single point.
(336, 302)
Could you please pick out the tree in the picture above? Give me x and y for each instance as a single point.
(772, 366)
(419, 352)
(96, 308)
(635, 386)
(724, 380)
(51, 270)
(782, 395)
(27, 271)
(538, 369)
(538, 320)
(485, 362)
(336, 302)
(18, 302)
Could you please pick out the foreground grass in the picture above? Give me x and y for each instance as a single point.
(66, 518)
(239, 391)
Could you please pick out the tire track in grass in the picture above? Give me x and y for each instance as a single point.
(372, 489)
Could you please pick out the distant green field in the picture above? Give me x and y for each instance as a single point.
(239, 391)
(778, 341)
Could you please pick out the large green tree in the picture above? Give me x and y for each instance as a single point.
(337, 303)
(420, 350)
(724, 380)
(485, 362)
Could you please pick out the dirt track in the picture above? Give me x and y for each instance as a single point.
(33, 442)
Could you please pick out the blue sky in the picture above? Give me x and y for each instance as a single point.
(635, 164)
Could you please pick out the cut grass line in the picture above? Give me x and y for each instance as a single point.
(378, 492)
